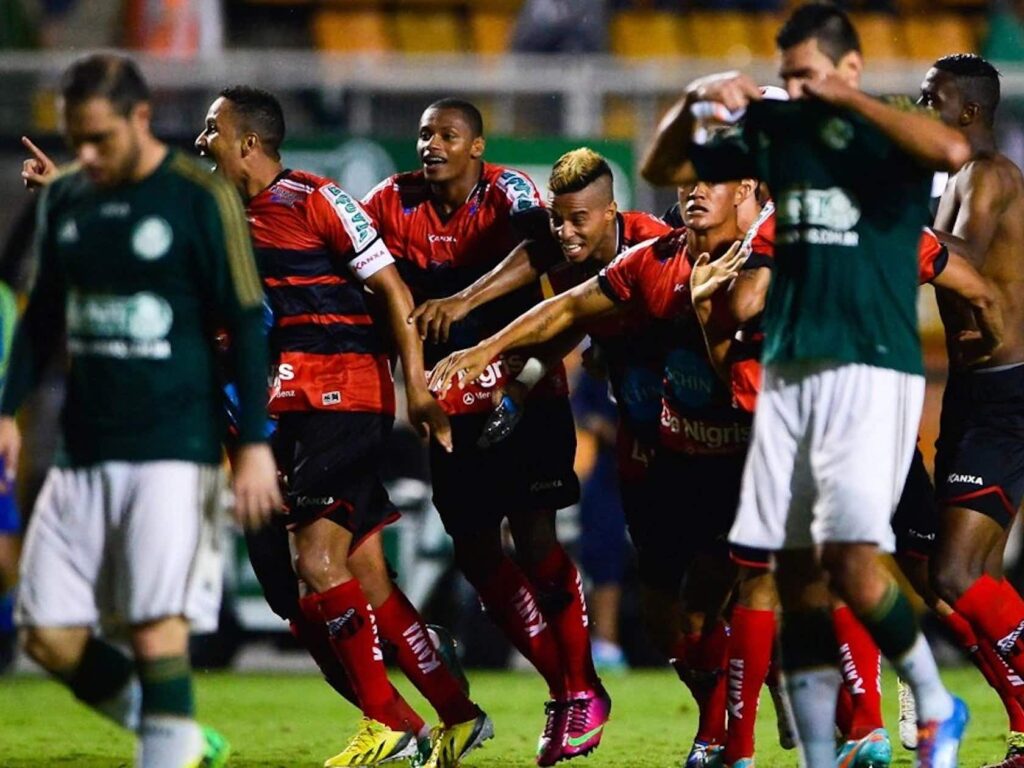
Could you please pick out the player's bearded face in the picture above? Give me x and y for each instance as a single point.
(581, 221)
(706, 206)
(446, 145)
(106, 143)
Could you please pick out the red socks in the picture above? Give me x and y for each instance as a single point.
(699, 660)
(993, 668)
(556, 575)
(860, 663)
(995, 610)
(511, 603)
(400, 625)
(352, 629)
(751, 636)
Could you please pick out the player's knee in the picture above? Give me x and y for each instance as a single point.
(319, 568)
(164, 637)
(477, 556)
(54, 649)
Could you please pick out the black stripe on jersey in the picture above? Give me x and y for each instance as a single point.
(291, 262)
(237, 241)
(330, 339)
(348, 299)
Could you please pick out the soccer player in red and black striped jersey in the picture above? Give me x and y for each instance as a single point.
(333, 396)
(447, 225)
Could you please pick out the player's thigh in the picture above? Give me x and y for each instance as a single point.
(64, 552)
(865, 432)
(916, 520)
(776, 490)
(170, 545)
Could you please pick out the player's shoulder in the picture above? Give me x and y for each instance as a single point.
(408, 188)
(994, 173)
(638, 226)
(514, 185)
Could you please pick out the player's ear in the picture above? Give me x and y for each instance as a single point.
(250, 142)
(970, 113)
(745, 189)
(141, 114)
(850, 67)
(476, 149)
(611, 210)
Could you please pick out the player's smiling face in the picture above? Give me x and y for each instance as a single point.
(939, 93)
(446, 145)
(707, 206)
(106, 143)
(581, 221)
(219, 140)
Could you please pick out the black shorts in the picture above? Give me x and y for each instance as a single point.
(691, 505)
(979, 460)
(916, 519)
(532, 469)
(330, 462)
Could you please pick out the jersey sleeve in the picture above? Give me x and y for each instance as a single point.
(348, 230)
(228, 271)
(43, 322)
(932, 256)
(620, 279)
(525, 208)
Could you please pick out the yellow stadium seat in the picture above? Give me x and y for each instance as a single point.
(344, 31)
(619, 118)
(938, 34)
(718, 35)
(491, 31)
(644, 33)
(764, 27)
(881, 36)
(430, 32)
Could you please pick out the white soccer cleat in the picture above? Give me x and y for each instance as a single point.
(908, 715)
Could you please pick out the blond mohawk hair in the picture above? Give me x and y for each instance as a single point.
(577, 169)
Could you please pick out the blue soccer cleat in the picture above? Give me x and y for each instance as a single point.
(872, 751)
(938, 741)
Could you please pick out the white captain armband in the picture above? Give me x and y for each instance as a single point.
(371, 261)
(533, 371)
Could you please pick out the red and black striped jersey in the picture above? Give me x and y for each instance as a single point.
(438, 256)
(316, 245)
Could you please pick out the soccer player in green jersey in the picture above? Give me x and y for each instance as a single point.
(141, 255)
(836, 421)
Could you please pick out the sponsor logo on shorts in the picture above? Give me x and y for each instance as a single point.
(331, 398)
(545, 485)
(346, 625)
(314, 501)
(969, 479)
(1007, 645)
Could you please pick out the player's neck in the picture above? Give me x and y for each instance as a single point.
(449, 195)
(151, 153)
(982, 141)
(260, 176)
(714, 241)
(608, 248)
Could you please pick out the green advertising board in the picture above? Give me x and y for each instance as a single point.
(358, 164)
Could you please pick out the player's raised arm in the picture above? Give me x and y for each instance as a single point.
(229, 269)
(666, 161)
(544, 322)
(916, 131)
(435, 317)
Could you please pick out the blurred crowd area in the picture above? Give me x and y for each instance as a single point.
(632, 28)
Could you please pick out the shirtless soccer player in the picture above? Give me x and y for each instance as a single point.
(446, 225)
(979, 462)
(850, 176)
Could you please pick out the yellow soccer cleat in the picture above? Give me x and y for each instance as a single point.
(452, 743)
(375, 744)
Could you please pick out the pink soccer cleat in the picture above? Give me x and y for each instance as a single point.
(585, 718)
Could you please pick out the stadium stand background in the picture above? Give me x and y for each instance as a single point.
(354, 75)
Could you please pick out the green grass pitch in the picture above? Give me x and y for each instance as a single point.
(296, 720)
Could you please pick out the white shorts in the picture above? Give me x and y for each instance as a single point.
(829, 455)
(122, 543)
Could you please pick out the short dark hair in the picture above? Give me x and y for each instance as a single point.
(259, 112)
(823, 22)
(976, 79)
(105, 76)
(470, 113)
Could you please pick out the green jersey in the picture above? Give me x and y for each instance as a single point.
(140, 277)
(850, 206)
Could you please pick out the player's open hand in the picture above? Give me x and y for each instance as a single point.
(831, 89)
(708, 276)
(733, 90)
(38, 170)
(972, 348)
(467, 364)
(257, 495)
(429, 419)
(10, 447)
(434, 318)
